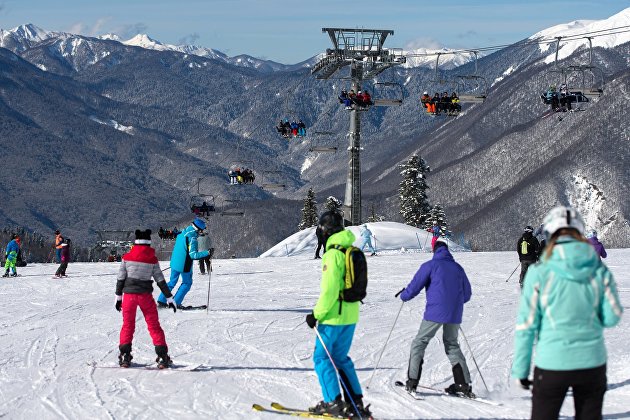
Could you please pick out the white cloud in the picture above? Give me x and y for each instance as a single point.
(424, 42)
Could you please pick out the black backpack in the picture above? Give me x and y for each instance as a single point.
(355, 287)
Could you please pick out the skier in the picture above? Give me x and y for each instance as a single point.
(65, 258)
(336, 327)
(568, 300)
(435, 230)
(185, 251)
(58, 242)
(599, 247)
(366, 234)
(447, 289)
(539, 234)
(204, 242)
(320, 241)
(10, 255)
(134, 279)
(527, 248)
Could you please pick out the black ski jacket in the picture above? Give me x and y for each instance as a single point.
(532, 248)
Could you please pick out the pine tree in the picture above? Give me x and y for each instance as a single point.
(437, 216)
(309, 211)
(412, 192)
(333, 204)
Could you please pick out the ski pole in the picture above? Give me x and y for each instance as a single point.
(321, 341)
(425, 242)
(167, 268)
(517, 265)
(473, 357)
(209, 282)
(385, 345)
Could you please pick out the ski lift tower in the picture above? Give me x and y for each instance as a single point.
(362, 50)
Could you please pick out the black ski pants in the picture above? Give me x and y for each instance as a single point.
(524, 266)
(205, 263)
(551, 386)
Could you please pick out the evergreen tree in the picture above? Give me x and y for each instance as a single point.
(412, 192)
(309, 211)
(438, 217)
(374, 217)
(333, 204)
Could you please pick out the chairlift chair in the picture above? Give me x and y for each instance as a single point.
(472, 88)
(197, 204)
(230, 207)
(320, 146)
(268, 179)
(242, 164)
(387, 94)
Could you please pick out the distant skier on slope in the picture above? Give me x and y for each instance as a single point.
(527, 248)
(65, 258)
(10, 255)
(185, 251)
(447, 289)
(366, 234)
(137, 268)
(320, 241)
(336, 327)
(599, 247)
(567, 301)
(436, 232)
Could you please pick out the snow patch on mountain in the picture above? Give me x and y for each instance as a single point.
(589, 200)
(426, 57)
(506, 73)
(114, 124)
(578, 27)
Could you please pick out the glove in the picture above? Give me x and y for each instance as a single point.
(525, 383)
(401, 290)
(118, 305)
(311, 321)
(171, 304)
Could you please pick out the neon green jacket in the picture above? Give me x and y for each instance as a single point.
(568, 299)
(326, 310)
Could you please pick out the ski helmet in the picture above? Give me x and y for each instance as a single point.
(199, 224)
(528, 228)
(562, 217)
(331, 222)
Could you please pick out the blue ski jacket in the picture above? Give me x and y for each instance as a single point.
(186, 250)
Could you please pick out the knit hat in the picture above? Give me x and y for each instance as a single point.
(199, 224)
(143, 237)
(57, 232)
(440, 242)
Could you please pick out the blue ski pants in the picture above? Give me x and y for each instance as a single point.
(338, 339)
(183, 288)
(367, 241)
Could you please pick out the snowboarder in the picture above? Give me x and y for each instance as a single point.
(336, 327)
(134, 280)
(567, 301)
(366, 234)
(185, 251)
(320, 242)
(204, 242)
(599, 247)
(527, 248)
(58, 242)
(65, 258)
(10, 256)
(447, 289)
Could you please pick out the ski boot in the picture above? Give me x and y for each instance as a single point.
(460, 387)
(124, 358)
(14, 274)
(334, 408)
(6, 274)
(411, 385)
(163, 360)
(363, 412)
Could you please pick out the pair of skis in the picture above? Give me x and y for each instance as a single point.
(186, 367)
(277, 408)
(416, 395)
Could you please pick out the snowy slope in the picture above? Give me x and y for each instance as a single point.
(585, 26)
(387, 236)
(255, 346)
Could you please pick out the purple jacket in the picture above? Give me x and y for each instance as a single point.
(447, 287)
(599, 247)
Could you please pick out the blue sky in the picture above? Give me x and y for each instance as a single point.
(289, 31)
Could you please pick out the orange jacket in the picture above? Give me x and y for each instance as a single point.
(58, 241)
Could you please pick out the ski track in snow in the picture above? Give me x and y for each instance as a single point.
(255, 346)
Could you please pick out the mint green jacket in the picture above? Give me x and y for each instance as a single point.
(326, 310)
(568, 299)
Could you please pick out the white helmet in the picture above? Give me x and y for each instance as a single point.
(562, 217)
(425, 93)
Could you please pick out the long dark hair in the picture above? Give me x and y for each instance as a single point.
(574, 233)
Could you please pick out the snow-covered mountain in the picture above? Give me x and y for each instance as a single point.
(150, 121)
